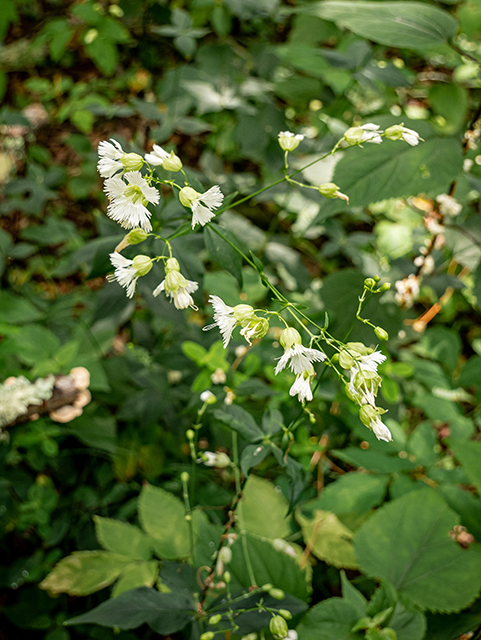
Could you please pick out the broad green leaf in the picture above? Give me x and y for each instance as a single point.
(264, 509)
(241, 421)
(85, 572)
(466, 505)
(138, 574)
(408, 623)
(123, 538)
(17, 310)
(353, 491)
(394, 168)
(165, 613)
(332, 618)
(276, 566)
(162, 516)
(469, 455)
(222, 252)
(252, 455)
(194, 351)
(374, 460)
(328, 538)
(353, 596)
(411, 25)
(407, 542)
(471, 372)
(451, 627)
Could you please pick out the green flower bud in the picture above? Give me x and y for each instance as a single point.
(255, 329)
(187, 196)
(225, 555)
(132, 161)
(222, 460)
(116, 11)
(278, 627)
(287, 615)
(278, 594)
(90, 36)
(142, 265)
(136, 235)
(354, 135)
(174, 281)
(190, 434)
(385, 287)
(266, 586)
(188, 517)
(395, 132)
(377, 278)
(227, 577)
(345, 360)
(367, 414)
(243, 313)
(381, 333)
(208, 635)
(172, 264)
(358, 349)
(213, 620)
(369, 283)
(329, 190)
(290, 337)
(184, 476)
(172, 163)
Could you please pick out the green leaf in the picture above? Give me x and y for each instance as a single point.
(165, 613)
(408, 623)
(378, 172)
(17, 310)
(138, 574)
(222, 253)
(241, 421)
(353, 596)
(104, 54)
(272, 422)
(270, 564)
(328, 538)
(194, 351)
(407, 543)
(332, 618)
(469, 455)
(411, 25)
(162, 516)
(123, 538)
(85, 572)
(252, 455)
(374, 460)
(265, 509)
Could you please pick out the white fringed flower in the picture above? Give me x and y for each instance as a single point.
(380, 430)
(302, 385)
(298, 357)
(223, 318)
(177, 286)
(127, 201)
(289, 141)
(202, 204)
(448, 206)
(109, 154)
(125, 273)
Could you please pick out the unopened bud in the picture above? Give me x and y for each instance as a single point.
(287, 615)
(132, 161)
(213, 620)
(225, 555)
(208, 635)
(266, 586)
(172, 163)
(377, 278)
(345, 360)
(369, 283)
(208, 397)
(385, 287)
(187, 196)
(142, 265)
(184, 476)
(190, 434)
(227, 577)
(172, 264)
(381, 333)
(329, 190)
(278, 627)
(136, 235)
(278, 594)
(90, 36)
(290, 337)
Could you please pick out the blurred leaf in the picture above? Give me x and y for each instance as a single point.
(241, 421)
(328, 538)
(222, 253)
(469, 455)
(264, 509)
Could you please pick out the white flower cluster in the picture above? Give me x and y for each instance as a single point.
(362, 364)
(372, 133)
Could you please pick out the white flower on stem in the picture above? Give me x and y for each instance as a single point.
(210, 459)
(302, 385)
(400, 132)
(227, 318)
(369, 415)
(202, 204)
(289, 141)
(127, 201)
(380, 430)
(298, 357)
(127, 272)
(177, 286)
(208, 397)
(448, 206)
(109, 154)
(161, 158)
(362, 367)
(365, 133)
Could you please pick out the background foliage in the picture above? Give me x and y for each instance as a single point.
(217, 81)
